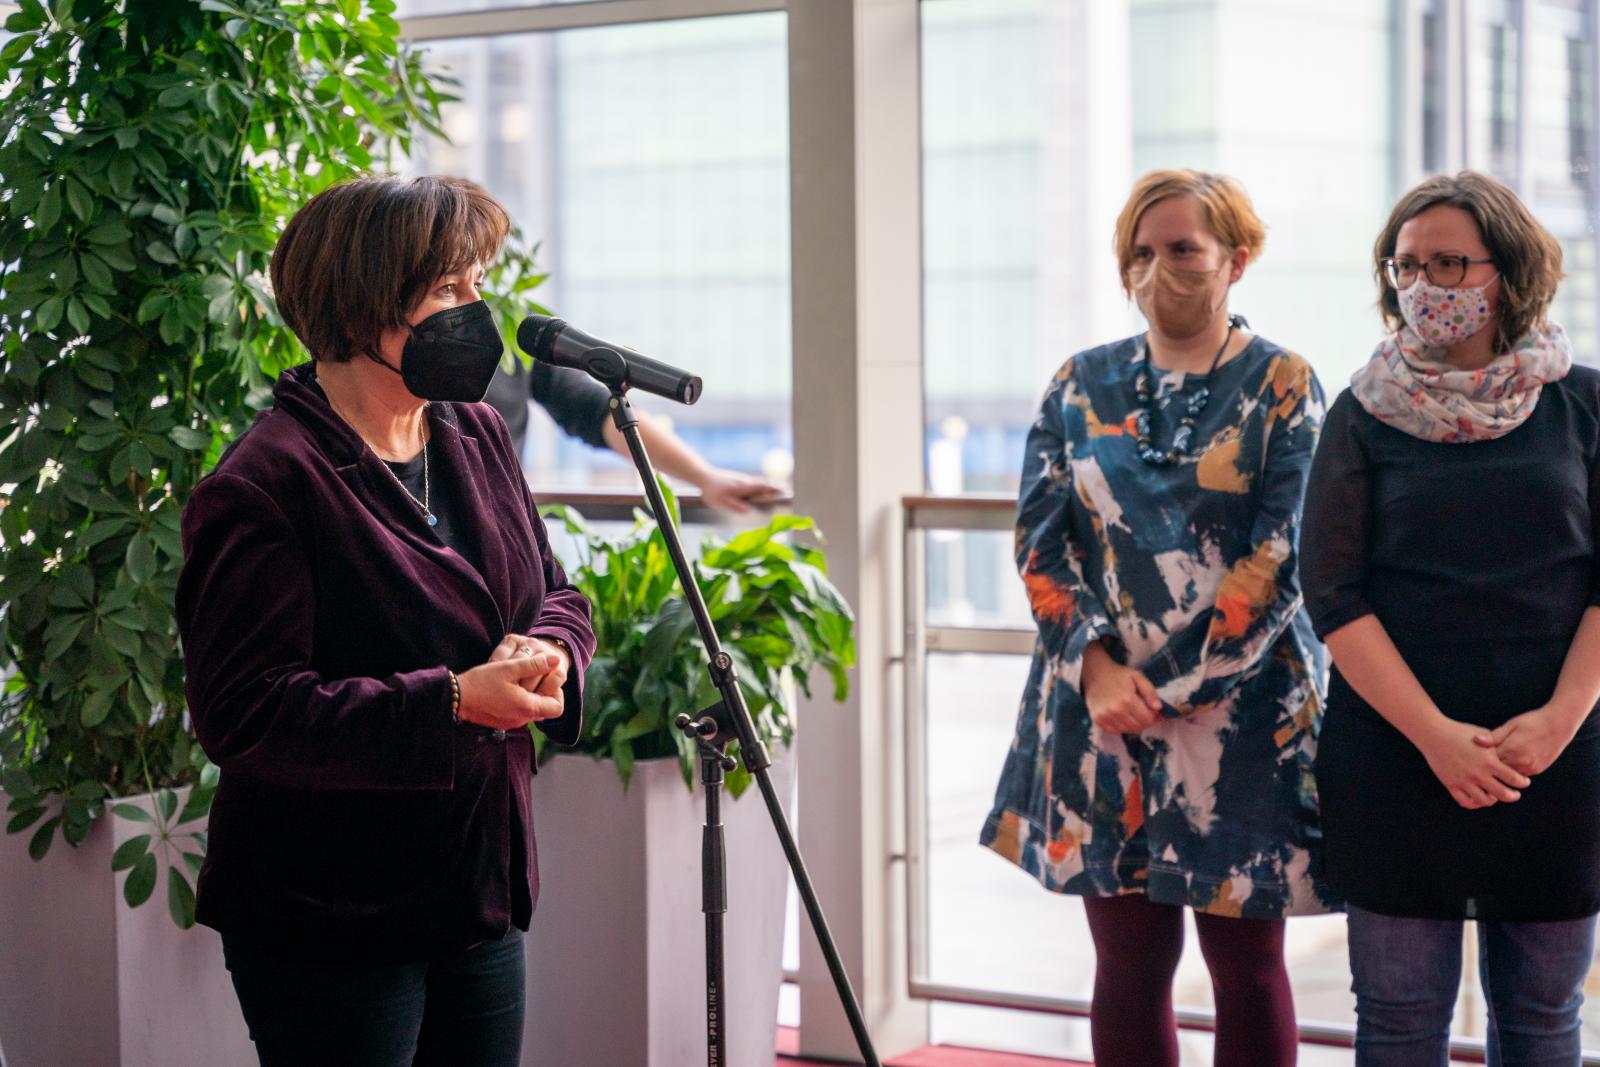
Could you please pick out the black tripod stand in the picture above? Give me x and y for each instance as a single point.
(727, 720)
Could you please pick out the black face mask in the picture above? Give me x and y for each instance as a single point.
(451, 354)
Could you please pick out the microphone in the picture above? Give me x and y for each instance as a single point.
(556, 342)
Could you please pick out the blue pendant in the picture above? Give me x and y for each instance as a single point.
(433, 520)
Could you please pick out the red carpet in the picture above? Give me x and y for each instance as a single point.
(932, 1056)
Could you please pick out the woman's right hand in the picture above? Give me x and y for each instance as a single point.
(494, 694)
(1475, 775)
(1120, 698)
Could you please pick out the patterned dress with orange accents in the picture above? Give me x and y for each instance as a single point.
(1188, 572)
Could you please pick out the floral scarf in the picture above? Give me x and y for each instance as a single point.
(1408, 386)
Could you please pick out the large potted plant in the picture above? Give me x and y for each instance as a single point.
(150, 151)
(619, 831)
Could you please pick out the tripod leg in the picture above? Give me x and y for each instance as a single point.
(819, 922)
(714, 902)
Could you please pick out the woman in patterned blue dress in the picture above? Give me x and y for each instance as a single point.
(1164, 748)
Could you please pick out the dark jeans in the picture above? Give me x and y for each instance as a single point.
(1406, 972)
(465, 1009)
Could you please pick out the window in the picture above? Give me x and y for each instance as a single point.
(650, 162)
(1037, 117)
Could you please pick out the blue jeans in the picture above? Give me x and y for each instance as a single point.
(1406, 973)
(465, 1009)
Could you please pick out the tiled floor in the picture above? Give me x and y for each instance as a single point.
(932, 1056)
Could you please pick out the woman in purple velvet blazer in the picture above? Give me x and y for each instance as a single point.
(371, 619)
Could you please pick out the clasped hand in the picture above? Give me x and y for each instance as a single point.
(1120, 699)
(1481, 767)
(521, 682)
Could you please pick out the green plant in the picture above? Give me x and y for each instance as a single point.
(775, 611)
(150, 151)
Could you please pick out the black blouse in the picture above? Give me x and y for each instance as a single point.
(1479, 560)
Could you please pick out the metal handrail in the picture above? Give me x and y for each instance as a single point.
(988, 513)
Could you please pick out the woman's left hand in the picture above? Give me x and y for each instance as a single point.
(551, 682)
(1531, 742)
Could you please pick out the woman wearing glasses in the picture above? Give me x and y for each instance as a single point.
(1449, 563)
(1163, 753)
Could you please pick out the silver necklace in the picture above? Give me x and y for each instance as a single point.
(427, 483)
(427, 487)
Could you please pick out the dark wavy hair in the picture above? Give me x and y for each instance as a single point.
(361, 254)
(1526, 255)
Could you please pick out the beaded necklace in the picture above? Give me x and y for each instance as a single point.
(1183, 437)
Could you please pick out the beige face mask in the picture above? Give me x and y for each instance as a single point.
(1177, 302)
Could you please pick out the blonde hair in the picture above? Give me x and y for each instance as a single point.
(1230, 217)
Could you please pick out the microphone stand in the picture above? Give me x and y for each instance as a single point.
(727, 720)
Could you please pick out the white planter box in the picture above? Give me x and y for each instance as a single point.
(616, 954)
(86, 980)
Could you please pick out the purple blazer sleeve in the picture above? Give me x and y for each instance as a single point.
(245, 612)
(563, 615)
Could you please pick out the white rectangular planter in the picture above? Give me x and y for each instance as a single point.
(86, 980)
(616, 954)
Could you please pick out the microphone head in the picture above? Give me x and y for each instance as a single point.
(537, 335)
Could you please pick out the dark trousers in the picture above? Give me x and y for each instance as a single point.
(465, 1009)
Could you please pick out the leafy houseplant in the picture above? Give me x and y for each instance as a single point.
(775, 611)
(150, 151)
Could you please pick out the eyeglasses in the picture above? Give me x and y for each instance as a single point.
(1446, 270)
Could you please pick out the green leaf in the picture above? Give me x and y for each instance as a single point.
(141, 881)
(39, 843)
(17, 782)
(165, 213)
(80, 199)
(116, 257)
(188, 437)
(47, 316)
(102, 529)
(180, 898)
(94, 376)
(126, 137)
(97, 707)
(168, 802)
(132, 811)
(121, 172)
(49, 210)
(130, 852)
(176, 96)
(95, 271)
(153, 307)
(24, 819)
(16, 47)
(161, 252)
(78, 315)
(141, 558)
(198, 806)
(109, 233)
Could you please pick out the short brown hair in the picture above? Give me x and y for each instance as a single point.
(1230, 216)
(362, 253)
(1526, 255)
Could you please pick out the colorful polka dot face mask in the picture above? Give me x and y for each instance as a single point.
(1443, 317)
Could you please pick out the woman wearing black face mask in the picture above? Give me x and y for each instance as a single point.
(1163, 752)
(371, 619)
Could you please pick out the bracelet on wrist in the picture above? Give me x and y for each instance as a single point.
(455, 697)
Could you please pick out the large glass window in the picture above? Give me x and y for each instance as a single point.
(1037, 116)
(650, 162)
(1561, 137)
